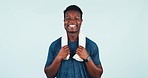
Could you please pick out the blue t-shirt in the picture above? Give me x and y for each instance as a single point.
(72, 68)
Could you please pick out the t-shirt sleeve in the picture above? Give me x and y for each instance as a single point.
(95, 54)
(50, 56)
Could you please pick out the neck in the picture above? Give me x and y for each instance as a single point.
(73, 36)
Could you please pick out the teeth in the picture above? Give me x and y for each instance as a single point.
(72, 25)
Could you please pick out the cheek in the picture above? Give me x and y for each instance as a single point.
(65, 22)
(79, 22)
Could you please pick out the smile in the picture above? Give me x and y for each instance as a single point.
(72, 25)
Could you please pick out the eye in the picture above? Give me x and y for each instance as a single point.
(67, 18)
(77, 18)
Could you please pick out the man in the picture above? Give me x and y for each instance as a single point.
(57, 66)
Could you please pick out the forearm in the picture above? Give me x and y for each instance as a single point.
(53, 68)
(93, 70)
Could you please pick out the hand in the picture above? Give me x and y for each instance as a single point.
(64, 51)
(81, 51)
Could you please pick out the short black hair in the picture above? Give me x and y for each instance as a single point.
(73, 7)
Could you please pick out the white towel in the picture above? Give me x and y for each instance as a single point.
(82, 42)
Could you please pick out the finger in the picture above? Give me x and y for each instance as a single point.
(65, 46)
(67, 49)
(80, 46)
(69, 52)
(79, 53)
(78, 50)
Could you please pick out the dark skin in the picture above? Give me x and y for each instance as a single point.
(72, 24)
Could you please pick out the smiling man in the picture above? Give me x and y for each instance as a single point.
(87, 64)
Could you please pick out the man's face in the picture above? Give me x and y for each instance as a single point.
(72, 21)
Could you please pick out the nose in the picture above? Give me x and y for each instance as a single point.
(72, 21)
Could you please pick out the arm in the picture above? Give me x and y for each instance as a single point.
(52, 69)
(93, 70)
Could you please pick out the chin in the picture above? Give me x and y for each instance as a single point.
(72, 32)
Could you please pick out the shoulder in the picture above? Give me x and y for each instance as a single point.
(57, 42)
(90, 43)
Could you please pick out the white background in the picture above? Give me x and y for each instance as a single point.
(119, 27)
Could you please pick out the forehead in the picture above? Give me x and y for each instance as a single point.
(72, 12)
